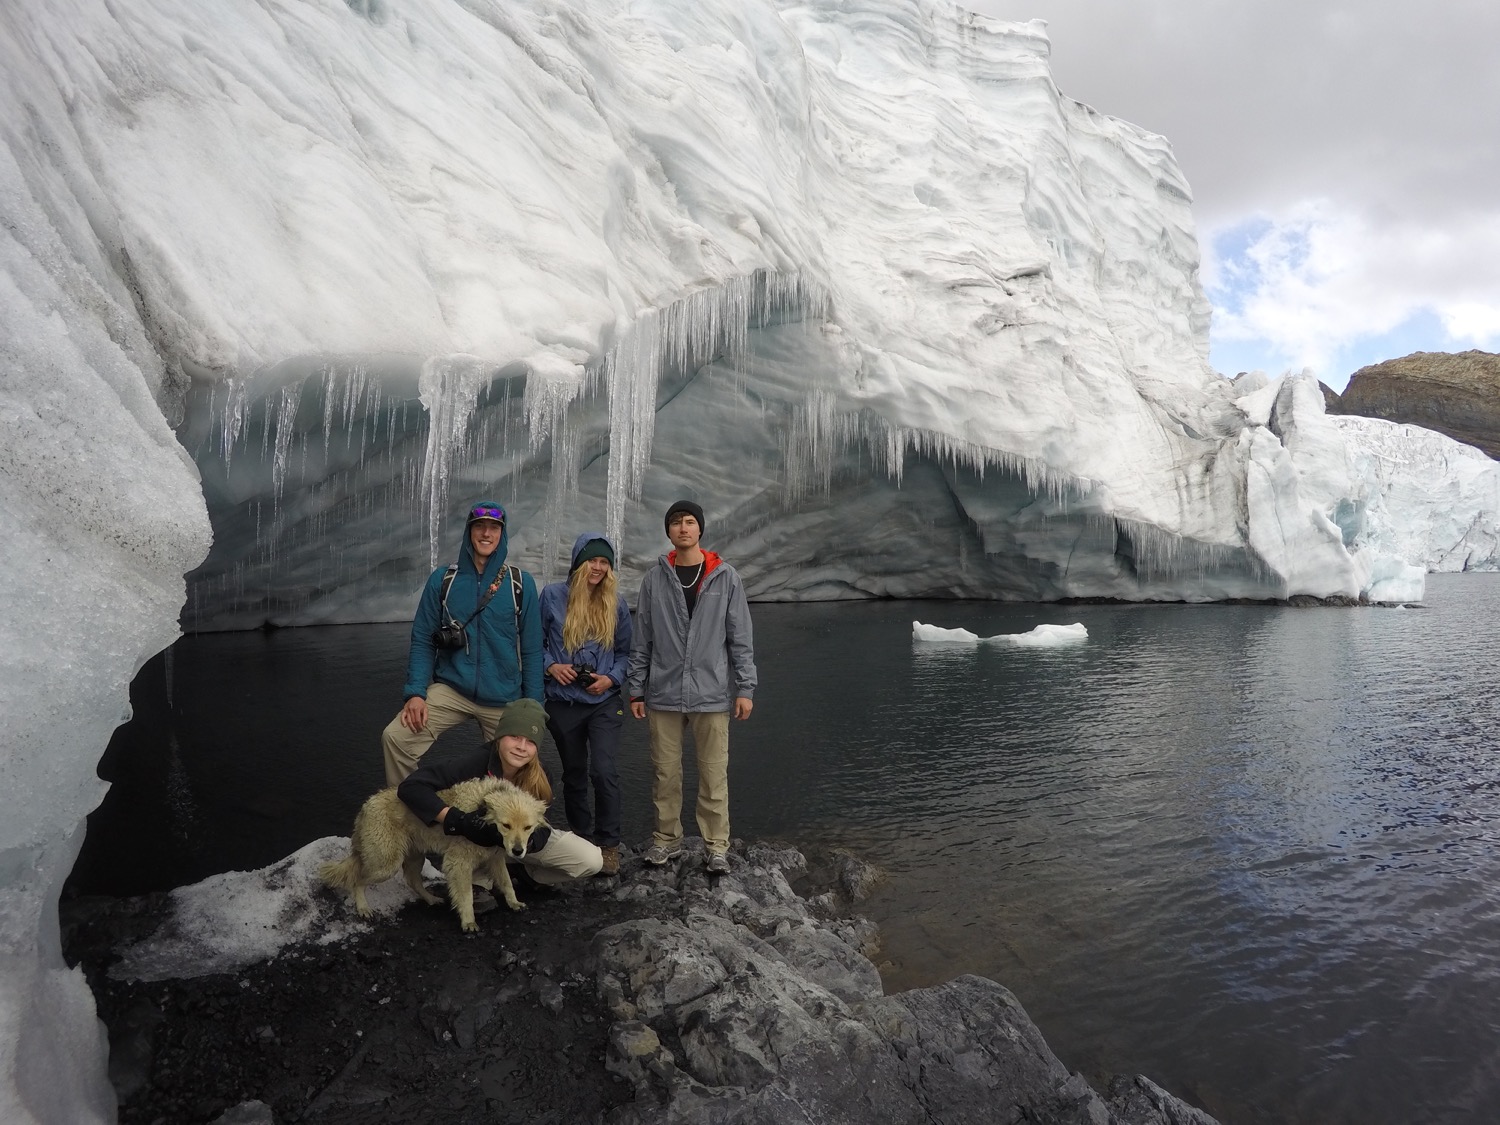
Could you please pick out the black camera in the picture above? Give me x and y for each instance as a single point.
(450, 636)
(584, 674)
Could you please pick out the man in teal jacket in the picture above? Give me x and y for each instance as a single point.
(472, 652)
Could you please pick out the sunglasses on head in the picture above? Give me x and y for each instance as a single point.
(487, 513)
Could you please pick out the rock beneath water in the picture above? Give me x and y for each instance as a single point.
(1457, 394)
(663, 995)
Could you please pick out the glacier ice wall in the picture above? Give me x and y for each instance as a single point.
(100, 516)
(854, 274)
(851, 272)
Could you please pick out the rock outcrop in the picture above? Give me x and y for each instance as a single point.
(672, 997)
(746, 1007)
(1457, 394)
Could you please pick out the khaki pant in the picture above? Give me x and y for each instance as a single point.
(445, 709)
(711, 741)
(566, 856)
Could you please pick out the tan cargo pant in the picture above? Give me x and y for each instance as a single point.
(445, 710)
(567, 856)
(711, 741)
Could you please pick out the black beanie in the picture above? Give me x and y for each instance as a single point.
(525, 718)
(691, 509)
(594, 549)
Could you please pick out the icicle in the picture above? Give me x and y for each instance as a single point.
(449, 388)
(547, 416)
(286, 417)
(631, 372)
(233, 421)
(682, 338)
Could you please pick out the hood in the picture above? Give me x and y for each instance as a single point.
(711, 562)
(466, 551)
(583, 541)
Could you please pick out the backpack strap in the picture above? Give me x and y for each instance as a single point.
(448, 576)
(515, 598)
(507, 571)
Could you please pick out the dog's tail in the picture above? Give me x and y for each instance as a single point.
(344, 874)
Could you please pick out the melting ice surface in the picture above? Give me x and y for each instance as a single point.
(239, 918)
(906, 320)
(1042, 636)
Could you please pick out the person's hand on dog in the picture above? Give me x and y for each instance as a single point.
(538, 839)
(414, 714)
(471, 826)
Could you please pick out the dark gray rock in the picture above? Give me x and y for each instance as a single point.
(856, 876)
(746, 1008)
(246, 1113)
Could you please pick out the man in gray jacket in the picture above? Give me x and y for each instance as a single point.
(691, 664)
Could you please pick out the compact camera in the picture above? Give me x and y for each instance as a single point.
(585, 675)
(450, 636)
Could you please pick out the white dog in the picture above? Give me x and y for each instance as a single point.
(388, 835)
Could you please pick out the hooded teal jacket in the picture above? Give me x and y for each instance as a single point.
(485, 671)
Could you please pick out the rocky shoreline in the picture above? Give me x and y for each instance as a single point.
(657, 996)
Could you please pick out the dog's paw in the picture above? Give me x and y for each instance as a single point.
(516, 904)
(469, 927)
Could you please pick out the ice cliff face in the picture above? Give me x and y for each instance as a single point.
(854, 274)
(857, 276)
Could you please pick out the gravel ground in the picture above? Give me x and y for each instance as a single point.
(412, 1021)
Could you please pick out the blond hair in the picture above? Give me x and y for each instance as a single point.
(533, 779)
(591, 610)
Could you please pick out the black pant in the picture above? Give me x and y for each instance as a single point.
(587, 737)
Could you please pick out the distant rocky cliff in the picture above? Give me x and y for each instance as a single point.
(1454, 394)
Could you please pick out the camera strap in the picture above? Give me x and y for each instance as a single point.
(507, 571)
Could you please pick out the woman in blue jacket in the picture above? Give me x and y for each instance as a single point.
(586, 653)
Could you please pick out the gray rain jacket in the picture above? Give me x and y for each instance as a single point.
(698, 663)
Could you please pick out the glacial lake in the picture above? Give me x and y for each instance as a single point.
(1249, 851)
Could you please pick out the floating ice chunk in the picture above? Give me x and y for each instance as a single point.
(239, 918)
(936, 634)
(1043, 636)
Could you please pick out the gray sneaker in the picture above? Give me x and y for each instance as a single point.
(658, 854)
(717, 863)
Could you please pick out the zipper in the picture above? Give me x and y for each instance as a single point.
(478, 641)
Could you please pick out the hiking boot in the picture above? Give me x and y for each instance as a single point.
(716, 863)
(658, 854)
(611, 860)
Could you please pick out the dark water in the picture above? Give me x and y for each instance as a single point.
(1249, 851)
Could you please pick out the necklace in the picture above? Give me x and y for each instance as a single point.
(694, 582)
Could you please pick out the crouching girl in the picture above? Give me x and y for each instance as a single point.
(553, 855)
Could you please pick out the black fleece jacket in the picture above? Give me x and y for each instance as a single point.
(420, 790)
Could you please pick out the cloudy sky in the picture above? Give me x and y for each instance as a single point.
(1344, 157)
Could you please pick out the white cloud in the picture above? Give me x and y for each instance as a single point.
(1310, 282)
